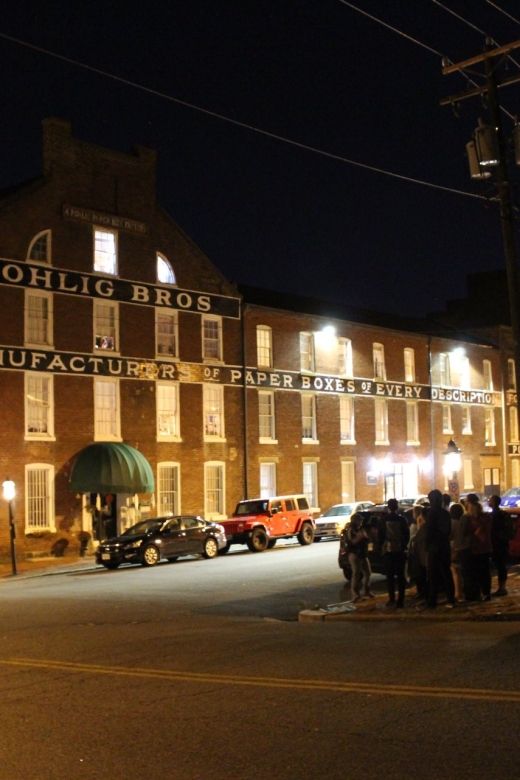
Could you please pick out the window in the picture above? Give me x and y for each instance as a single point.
(378, 354)
(464, 372)
(310, 483)
(39, 498)
(107, 424)
(309, 418)
(345, 361)
(511, 373)
(307, 360)
(267, 480)
(213, 411)
(489, 424)
(167, 403)
(165, 273)
(444, 369)
(266, 415)
(515, 472)
(168, 484)
(166, 334)
(513, 423)
(409, 365)
(214, 490)
(40, 248)
(468, 474)
(39, 406)
(412, 422)
(348, 481)
(446, 419)
(212, 338)
(381, 421)
(346, 419)
(38, 318)
(106, 325)
(488, 375)
(264, 346)
(466, 419)
(105, 251)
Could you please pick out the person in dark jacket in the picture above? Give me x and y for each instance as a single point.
(500, 536)
(393, 535)
(357, 544)
(437, 542)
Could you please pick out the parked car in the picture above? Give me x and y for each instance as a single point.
(481, 497)
(511, 497)
(152, 540)
(514, 544)
(410, 501)
(260, 522)
(370, 523)
(331, 523)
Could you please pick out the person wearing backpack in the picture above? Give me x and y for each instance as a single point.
(393, 536)
(502, 531)
(357, 544)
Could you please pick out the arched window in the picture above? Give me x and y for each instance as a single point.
(40, 247)
(165, 272)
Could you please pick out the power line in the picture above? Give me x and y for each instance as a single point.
(236, 122)
(502, 11)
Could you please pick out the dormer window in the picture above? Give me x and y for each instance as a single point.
(165, 273)
(40, 247)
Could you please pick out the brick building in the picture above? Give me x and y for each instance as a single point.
(115, 328)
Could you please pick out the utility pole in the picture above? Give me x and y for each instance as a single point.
(488, 58)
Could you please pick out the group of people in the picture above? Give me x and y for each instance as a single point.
(447, 548)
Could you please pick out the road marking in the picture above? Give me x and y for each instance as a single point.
(375, 689)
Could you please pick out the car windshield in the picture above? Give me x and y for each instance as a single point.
(339, 509)
(144, 527)
(511, 492)
(251, 507)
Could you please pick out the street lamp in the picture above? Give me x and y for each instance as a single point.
(452, 465)
(9, 494)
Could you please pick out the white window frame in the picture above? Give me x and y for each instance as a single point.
(105, 259)
(214, 497)
(212, 350)
(412, 422)
(168, 488)
(166, 334)
(444, 370)
(513, 423)
(381, 421)
(378, 359)
(309, 422)
(42, 504)
(489, 427)
(107, 416)
(267, 480)
(39, 405)
(515, 472)
(348, 481)
(165, 272)
(511, 373)
(464, 372)
(307, 352)
(447, 426)
(345, 357)
(264, 346)
(467, 466)
(48, 248)
(466, 419)
(213, 412)
(409, 364)
(347, 431)
(487, 373)
(167, 411)
(310, 483)
(106, 326)
(39, 324)
(266, 417)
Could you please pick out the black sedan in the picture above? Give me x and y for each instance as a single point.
(159, 538)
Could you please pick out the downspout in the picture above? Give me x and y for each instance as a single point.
(504, 421)
(432, 449)
(243, 307)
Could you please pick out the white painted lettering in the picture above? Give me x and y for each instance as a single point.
(36, 358)
(399, 391)
(287, 380)
(260, 377)
(140, 293)
(235, 376)
(77, 364)
(380, 389)
(417, 391)
(104, 287)
(340, 386)
(12, 273)
(132, 368)
(274, 380)
(57, 362)
(96, 363)
(12, 361)
(39, 275)
(184, 301)
(318, 383)
(111, 368)
(249, 378)
(351, 386)
(408, 392)
(85, 289)
(163, 297)
(306, 382)
(203, 303)
(63, 284)
(167, 371)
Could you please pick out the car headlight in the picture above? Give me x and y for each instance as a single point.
(134, 545)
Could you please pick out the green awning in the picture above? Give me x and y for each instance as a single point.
(110, 467)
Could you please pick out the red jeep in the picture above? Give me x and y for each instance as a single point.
(260, 522)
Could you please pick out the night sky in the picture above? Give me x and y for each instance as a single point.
(316, 72)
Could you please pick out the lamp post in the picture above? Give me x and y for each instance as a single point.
(9, 494)
(452, 465)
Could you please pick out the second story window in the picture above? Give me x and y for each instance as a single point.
(464, 371)
(513, 423)
(511, 374)
(166, 333)
(307, 359)
(107, 423)
(381, 421)
(466, 419)
(346, 419)
(489, 425)
(167, 401)
(212, 338)
(38, 318)
(488, 375)
(264, 346)
(39, 406)
(266, 415)
(345, 363)
(444, 370)
(213, 411)
(446, 419)
(106, 325)
(378, 354)
(409, 365)
(105, 251)
(40, 248)
(412, 422)
(309, 418)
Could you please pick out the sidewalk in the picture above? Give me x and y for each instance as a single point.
(41, 567)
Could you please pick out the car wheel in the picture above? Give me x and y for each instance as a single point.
(150, 555)
(173, 558)
(258, 540)
(110, 564)
(306, 535)
(210, 548)
(271, 543)
(224, 550)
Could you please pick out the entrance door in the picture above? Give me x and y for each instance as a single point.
(492, 482)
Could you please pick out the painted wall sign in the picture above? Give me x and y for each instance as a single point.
(465, 396)
(513, 449)
(111, 221)
(41, 277)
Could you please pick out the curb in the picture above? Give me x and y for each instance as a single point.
(348, 612)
